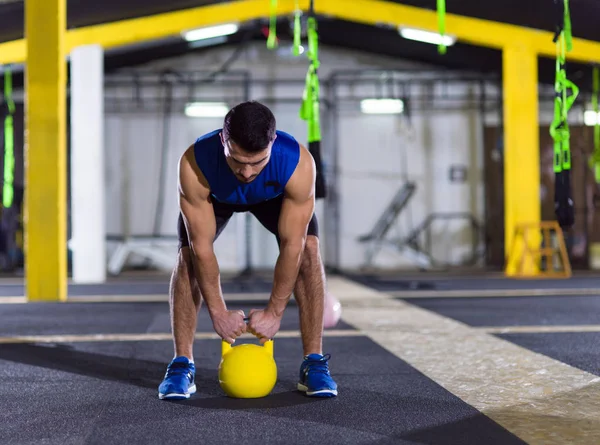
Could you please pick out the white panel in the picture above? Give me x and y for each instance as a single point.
(88, 241)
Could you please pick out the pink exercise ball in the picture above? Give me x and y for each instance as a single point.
(332, 312)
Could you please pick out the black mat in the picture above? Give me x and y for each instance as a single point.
(516, 311)
(113, 318)
(101, 393)
(149, 287)
(577, 349)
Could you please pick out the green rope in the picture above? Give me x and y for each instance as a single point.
(595, 158)
(309, 110)
(441, 9)
(559, 129)
(297, 30)
(272, 39)
(9, 143)
(567, 27)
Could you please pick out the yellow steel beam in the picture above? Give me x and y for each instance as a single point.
(471, 30)
(127, 32)
(159, 26)
(521, 149)
(46, 151)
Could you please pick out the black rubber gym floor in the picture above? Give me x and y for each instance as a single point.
(577, 349)
(105, 391)
(516, 311)
(147, 287)
(77, 382)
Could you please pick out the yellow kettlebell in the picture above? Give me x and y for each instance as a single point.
(247, 371)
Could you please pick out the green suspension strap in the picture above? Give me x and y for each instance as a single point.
(9, 144)
(309, 110)
(441, 9)
(595, 159)
(559, 129)
(297, 30)
(272, 39)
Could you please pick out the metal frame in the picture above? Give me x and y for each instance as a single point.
(397, 84)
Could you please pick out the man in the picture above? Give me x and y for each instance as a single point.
(247, 166)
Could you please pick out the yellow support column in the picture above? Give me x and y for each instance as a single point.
(45, 151)
(521, 149)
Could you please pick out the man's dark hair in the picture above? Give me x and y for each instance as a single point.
(250, 125)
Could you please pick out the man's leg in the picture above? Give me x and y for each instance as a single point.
(314, 379)
(310, 295)
(184, 302)
(310, 285)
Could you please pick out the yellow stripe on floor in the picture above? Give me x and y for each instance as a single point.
(539, 399)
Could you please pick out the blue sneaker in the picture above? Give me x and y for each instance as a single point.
(179, 382)
(315, 380)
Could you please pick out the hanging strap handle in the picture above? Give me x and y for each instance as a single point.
(441, 10)
(559, 129)
(297, 29)
(9, 142)
(595, 94)
(272, 39)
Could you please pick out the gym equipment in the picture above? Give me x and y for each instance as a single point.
(559, 129)
(552, 256)
(376, 236)
(11, 200)
(595, 158)
(441, 9)
(9, 144)
(247, 371)
(272, 37)
(309, 111)
(332, 311)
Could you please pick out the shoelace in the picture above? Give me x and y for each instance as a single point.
(318, 365)
(177, 368)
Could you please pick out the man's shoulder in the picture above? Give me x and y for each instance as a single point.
(284, 137)
(208, 137)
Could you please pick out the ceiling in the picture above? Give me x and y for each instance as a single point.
(540, 14)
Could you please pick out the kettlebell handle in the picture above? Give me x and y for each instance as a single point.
(226, 347)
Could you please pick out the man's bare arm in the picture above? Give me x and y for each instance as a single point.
(296, 213)
(199, 219)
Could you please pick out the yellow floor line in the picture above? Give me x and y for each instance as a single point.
(152, 337)
(541, 400)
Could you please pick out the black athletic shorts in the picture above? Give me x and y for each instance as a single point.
(266, 212)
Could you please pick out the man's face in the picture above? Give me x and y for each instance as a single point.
(246, 166)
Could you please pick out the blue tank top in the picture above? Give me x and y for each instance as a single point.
(270, 182)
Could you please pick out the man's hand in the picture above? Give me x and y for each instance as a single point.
(229, 325)
(264, 323)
